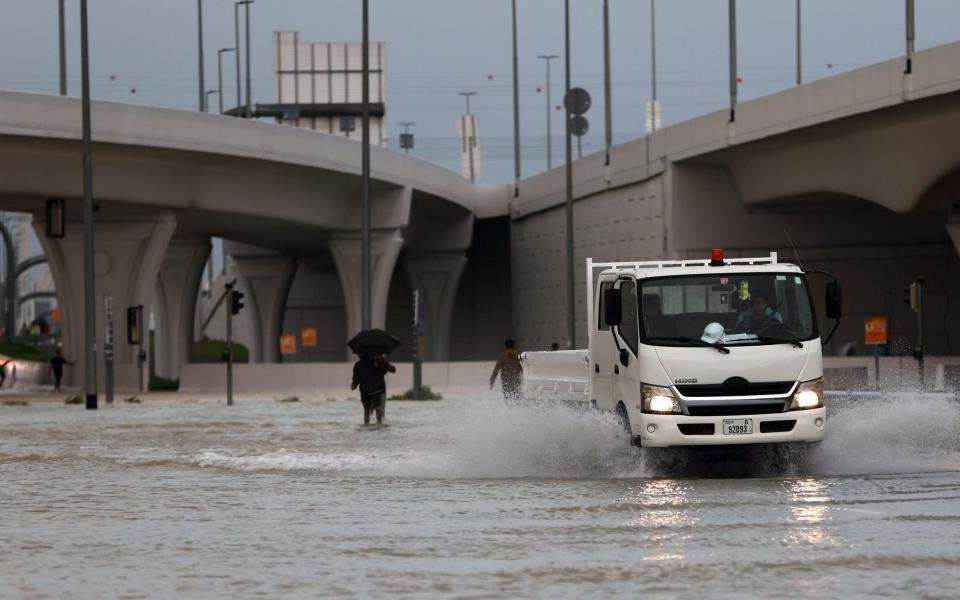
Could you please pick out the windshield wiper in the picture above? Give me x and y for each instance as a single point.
(696, 342)
(773, 340)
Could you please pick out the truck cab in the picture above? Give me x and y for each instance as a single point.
(708, 352)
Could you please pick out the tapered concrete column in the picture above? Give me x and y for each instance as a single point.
(178, 284)
(128, 255)
(438, 273)
(265, 279)
(385, 246)
(953, 227)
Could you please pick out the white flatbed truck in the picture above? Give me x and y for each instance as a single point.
(697, 352)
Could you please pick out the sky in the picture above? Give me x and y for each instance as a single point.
(436, 48)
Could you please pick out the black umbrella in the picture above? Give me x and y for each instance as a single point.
(374, 341)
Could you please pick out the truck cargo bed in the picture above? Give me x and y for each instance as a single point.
(562, 375)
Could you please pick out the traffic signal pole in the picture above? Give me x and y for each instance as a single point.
(228, 352)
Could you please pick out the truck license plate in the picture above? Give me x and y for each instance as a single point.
(737, 426)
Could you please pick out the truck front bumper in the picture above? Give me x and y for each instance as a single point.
(659, 431)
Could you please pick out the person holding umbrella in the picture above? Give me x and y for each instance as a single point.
(369, 372)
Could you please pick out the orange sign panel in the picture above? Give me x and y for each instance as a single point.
(875, 331)
(308, 336)
(55, 315)
(288, 344)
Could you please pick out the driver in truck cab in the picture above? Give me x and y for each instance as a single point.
(757, 316)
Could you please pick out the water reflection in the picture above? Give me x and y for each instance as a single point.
(809, 518)
(664, 505)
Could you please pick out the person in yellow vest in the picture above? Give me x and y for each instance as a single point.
(511, 373)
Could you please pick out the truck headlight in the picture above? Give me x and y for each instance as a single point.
(658, 400)
(808, 395)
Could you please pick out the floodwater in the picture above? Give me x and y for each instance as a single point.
(465, 498)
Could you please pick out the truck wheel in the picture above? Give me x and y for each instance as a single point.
(624, 418)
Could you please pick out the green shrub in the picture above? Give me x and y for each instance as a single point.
(73, 400)
(289, 399)
(132, 400)
(425, 394)
(22, 351)
(16, 403)
(207, 350)
(162, 384)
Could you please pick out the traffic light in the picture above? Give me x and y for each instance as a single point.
(914, 296)
(236, 302)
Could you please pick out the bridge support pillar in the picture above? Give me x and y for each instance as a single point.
(265, 277)
(385, 248)
(178, 284)
(953, 226)
(128, 255)
(438, 273)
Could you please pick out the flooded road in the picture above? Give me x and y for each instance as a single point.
(464, 498)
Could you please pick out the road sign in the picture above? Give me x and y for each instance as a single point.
(579, 125)
(875, 331)
(308, 336)
(288, 344)
(577, 101)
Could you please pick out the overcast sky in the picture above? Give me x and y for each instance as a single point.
(436, 48)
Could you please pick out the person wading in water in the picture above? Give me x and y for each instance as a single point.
(511, 373)
(369, 374)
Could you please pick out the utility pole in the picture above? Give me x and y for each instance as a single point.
(202, 84)
(228, 351)
(911, 35)
(89, 282)
(799, 45)
(220, 72)
(249, 114)
(607, 86)
(653, 64)
(108, 347)
(516, 108)
(367, 306)
(63, 50)
(571, 306)
(733, 60)
(547, 58)
(468, 139)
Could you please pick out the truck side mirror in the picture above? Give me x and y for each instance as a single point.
(834, 300)
(612, 308)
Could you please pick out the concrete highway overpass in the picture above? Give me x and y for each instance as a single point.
(285, 199)
(862, 169)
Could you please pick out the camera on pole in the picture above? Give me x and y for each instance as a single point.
(236, 302)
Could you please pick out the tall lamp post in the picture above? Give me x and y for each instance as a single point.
(220, 53)
(246, 54)
(733, 60)
(63, 50)
(547, 58)
(799, 46)
(911, 35)
(236, 33)
(516, 107)
(365, 262)
(571, 306)
(206, 98)
(653, 65)
(89, 291)
(202, 84)
(607, 91)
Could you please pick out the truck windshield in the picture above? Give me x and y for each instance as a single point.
(728, 309)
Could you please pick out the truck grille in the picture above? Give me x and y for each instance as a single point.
(736, 409)
(772, 388)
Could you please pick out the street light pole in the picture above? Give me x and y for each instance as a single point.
(236, 35)
(206, 98)
(200, 55)
(607, 91)
(63, 50)
(89, 283)
(547, 58)
(247, 57)
(653, 64)
(516, 108)
(469, 140)
(911, 35)
(733, 60)
(366, 300)
(571, 307)
(799, 46)
(220, 72)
